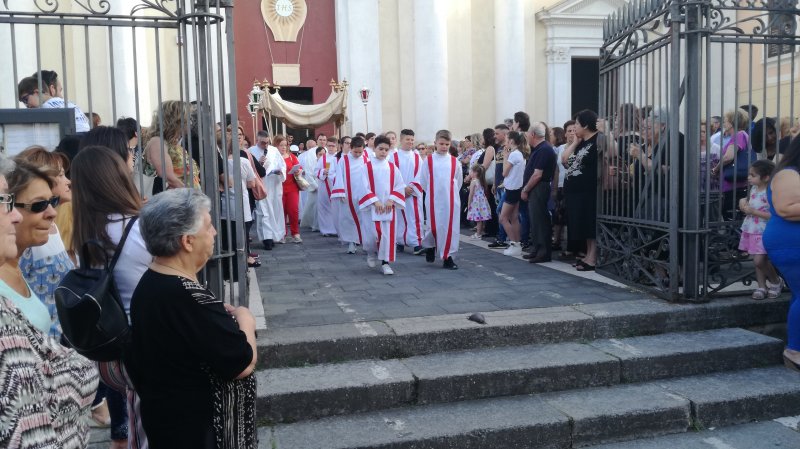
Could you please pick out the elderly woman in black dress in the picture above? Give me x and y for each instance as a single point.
(192, 356)
(580, 186)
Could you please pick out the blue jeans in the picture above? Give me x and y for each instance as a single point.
(501, 233)
(524, 222)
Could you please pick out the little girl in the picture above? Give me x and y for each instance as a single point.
(756, 207)
(478, 207)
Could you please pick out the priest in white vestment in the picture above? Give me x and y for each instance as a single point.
(270, 221)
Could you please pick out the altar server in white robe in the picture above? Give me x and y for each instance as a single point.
(384, 192)
(348, 180)
(410, 219)
(325, 171)
(441, 179)
(309, 198)
(270, 222)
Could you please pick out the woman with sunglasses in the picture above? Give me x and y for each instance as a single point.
(32, 189)
(34, 416)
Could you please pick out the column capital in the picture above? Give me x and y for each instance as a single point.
(557, 54)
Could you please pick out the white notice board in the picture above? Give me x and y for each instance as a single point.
(14, 138)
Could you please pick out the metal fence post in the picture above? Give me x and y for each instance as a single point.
(691, 184)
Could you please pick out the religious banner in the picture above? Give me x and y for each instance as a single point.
(284, 18)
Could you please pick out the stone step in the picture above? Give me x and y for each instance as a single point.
(768, 434)
(292, 394)
(576, 418)
(408, 337)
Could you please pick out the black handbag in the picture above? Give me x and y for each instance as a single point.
(93, 318)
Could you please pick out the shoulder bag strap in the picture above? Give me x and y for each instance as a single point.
(121, 243)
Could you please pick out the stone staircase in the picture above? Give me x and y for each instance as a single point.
(558, 377)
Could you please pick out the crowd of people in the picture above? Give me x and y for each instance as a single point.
(103, 191)
(96, 195)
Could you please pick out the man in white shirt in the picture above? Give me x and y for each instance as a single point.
(49, 96)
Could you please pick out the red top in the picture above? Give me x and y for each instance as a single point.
(290, 185)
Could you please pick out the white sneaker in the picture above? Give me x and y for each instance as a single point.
(372, 261)
(351, 248)
(513, 249)
(387, 269)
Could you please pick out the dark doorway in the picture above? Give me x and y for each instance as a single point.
(299, 95)
(585, 84)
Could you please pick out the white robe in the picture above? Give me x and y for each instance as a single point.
(381, 181)
(348, 180)
(410, 219)
(270, 221)
(308, 200)
(326, 213)
(441, 179)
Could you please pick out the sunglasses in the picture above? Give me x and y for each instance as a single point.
(24, 99)
(39, 206)
(8, 200)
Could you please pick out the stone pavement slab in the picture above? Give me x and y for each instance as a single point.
(316, 284)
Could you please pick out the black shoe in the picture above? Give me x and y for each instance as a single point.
(268, 244)
(400, 248)
(449, 264)
(418, 250)
(430, 255)
(540, 258)
(529, 256)
(498, 245)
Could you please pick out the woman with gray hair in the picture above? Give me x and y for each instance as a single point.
(192, 356)
(46, 389)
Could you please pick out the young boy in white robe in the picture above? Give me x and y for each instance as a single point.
(441, 179)
(326, 173)
(384, 192)
(348, 180)
(410, 219)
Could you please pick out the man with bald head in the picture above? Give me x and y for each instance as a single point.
(537, 179)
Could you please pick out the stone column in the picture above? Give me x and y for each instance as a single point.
(509, 57)
(430, 67)
(559, 84)
(358, 55)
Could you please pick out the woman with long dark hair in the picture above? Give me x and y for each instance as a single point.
(104, 201)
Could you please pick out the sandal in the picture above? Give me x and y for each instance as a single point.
(759, 294)
(791, 364)
(583, 266)
(774, 290)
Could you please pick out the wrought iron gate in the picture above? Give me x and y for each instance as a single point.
(125, 58)
(668, 216)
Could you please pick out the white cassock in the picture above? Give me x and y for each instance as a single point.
(383, 183)
(308, 200)
(270, 222)
(348, 180)
(409, 221)
(441, 179)
(326, 214)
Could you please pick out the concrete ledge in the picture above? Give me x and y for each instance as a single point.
(739, 397)
(506, 423)
(510, 371)
(749, 436)
(291, 394)
(285, 347)
(408, 337)
(690, 353)
(601, 415)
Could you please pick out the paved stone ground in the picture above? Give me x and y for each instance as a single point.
(317, 283)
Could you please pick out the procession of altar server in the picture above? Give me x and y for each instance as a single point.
(374, 197)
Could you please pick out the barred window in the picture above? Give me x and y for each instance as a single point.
(782, 23)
